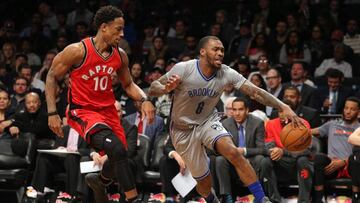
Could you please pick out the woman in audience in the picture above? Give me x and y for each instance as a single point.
(137, 74)
(294, 49)
(5, 122)
(257, 80)
(257, 47)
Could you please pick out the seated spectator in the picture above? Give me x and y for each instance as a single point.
(297, 73)
(257, 47)
(158, 50)
(5, 122)
(32, 119)
(127, 104)
(228, 110)
(26, 48)
(94, 181)
(248, 135)
(242, 65)
(152, 130)
(36, 85)
(331, 99)
(294, 49)
(49, 164)
(20, 88)
(274, 86)
(41, 74)
(334, 163)
(240, 42)
(176, 41)
(277, 40)
(352, 36)
(292, 94)
(137, 73)
(262, 66)
(354, 164)
(258, 81)
(283, 164)
(318, 47)
(337, 62)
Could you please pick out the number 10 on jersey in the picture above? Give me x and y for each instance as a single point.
(101, 83)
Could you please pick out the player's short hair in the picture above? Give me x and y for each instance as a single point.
(107, 14)
(354, 99)
(203, 41)
(243, 100)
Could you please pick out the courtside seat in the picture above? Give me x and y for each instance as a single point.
(16, 157)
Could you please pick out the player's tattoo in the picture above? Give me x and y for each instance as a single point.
(51, 86)
(260, 95)
(157, 88)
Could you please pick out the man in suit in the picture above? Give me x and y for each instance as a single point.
(274, 86)
(151, 130)
(248, 134)
(331, 99)
(47, 165)
(297, 79)
(292, 94)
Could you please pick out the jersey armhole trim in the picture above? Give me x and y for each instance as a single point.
(118, 51)
(83, 59)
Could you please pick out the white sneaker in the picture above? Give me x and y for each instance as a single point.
(48, 190)
(31, 192)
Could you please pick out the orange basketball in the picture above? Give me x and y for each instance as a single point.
(295, 139)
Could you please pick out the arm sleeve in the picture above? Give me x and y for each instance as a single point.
(178, 69)
(235, 78)
(324, 129)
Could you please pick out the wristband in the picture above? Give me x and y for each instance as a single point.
(144, 99)
(52, 113)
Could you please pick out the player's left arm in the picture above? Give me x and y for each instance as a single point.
(133, 90)
(268, 99)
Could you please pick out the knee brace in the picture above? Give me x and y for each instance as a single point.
(113, 147)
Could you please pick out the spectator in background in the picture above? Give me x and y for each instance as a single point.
(260, 25)
(297, 73)
(32, 119)
(284, 165)
(294, 49)
(61, 42)
(215, 29)
(257, 47)
(334, 163)
(318, 47)
(63, 29)
(41, 74)
(146, 43)
(158, 50)
(228, 110)
(20, 88)
(127, 105)
(242, 66)
(152, 130)
(292, 95)
(331, 98)
(277, 39)
(137, 74)
(335, 15)
(337, 62)
(176, 41)
(25, 71)
(5, 122)
(274, 86)
(354, 164)
(352, 36)
(7, 56)
(27, 48)
(248, 136)
(229, 91)
(80, 14)
(262, 65)
(227, 29)
(258, 81)
(292, 22)
(48, 16)
(81, 31)
(239, 43)
(190, 48)
(20, 58)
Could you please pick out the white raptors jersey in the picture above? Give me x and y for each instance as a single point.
(196, 96)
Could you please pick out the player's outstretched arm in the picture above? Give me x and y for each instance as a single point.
(133, 90)
(164, 85)
(268, 99)
(71, 55)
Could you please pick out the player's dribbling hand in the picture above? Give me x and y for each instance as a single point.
(55, 125)
(172, 83)
(148, 111)
(290, 116)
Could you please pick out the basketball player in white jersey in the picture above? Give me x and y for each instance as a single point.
(197, 86)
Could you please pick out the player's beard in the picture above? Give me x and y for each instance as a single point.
(351, 120)
(211, 62)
